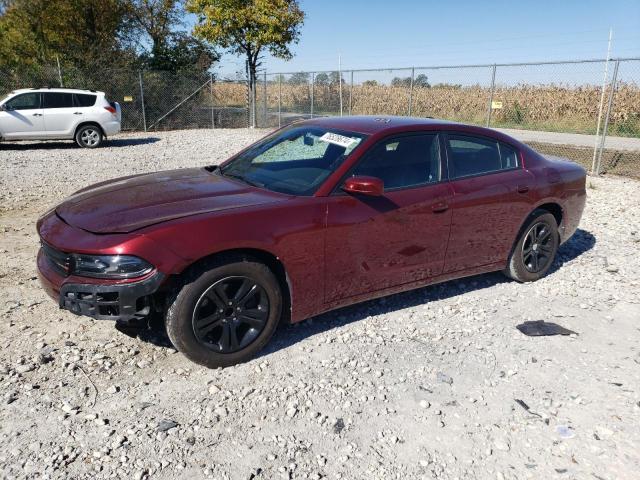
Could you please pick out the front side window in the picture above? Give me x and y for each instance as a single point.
(294, 161)
(403, 162)
(26, 101)
(476, 156)
(57, 100)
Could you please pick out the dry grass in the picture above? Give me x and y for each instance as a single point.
(543, 107)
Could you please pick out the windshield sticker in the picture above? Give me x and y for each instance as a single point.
(336, 139)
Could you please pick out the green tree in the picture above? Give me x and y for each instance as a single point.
(322, 79)
(249, 28)
(299, 78)
(36, 31)
(421, 81)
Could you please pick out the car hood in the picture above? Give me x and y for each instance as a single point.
(130, 203)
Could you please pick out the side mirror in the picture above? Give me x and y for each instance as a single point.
(3, 108)
(371, 186)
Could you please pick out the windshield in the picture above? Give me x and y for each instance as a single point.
(295, 160)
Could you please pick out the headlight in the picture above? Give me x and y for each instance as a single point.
(109, 266)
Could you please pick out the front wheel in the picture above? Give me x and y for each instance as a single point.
(89, 136)
(225, 313)
(535, 250)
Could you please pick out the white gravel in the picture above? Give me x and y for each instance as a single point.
(418, 385)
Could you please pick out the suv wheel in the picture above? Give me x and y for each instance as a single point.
(535, 250)
(225, 313)
(89, 136)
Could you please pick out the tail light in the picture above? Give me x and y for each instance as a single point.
(110, 109)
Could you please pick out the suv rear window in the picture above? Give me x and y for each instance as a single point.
(57, 100)
(84, 100)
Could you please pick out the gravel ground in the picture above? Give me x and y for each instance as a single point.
(434, 383)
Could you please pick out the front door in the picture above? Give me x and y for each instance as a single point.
(22, 117)
(374, 243)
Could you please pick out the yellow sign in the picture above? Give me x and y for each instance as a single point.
(128, 98)
(496, 105)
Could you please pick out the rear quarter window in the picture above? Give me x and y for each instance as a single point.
(84, 100)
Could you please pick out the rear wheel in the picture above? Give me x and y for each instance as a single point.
(225, 313)
(89, 136)
(535, 250)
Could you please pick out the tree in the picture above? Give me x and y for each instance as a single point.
(401, 82)
(370, 83)
(421, 81)
(249, 28)
(299, 78)
(34, 32)
(322, 79)
(179, 52)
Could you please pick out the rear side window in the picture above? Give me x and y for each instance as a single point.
(26, 101)
(84, 100)
(57, 100)
(403, 162)
(476, 156)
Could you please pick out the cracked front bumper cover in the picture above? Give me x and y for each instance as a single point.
(123, 302)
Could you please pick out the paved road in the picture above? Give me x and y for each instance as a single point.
(577, 139)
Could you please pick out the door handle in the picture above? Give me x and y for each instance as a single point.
(37, 114)
(77, 113)
(523, 188)
(440, 207)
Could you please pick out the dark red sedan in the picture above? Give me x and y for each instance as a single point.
(318, 215)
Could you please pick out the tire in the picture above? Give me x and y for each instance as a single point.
(89, 136)
(536, 248)
(213, 336)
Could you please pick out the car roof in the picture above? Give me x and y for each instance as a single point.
(370, 124)
(61, 90)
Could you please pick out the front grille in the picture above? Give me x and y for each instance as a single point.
(59, 261)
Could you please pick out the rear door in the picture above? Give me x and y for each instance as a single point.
(22, 117)
(375, 243)
(60, 115)
(490, 198)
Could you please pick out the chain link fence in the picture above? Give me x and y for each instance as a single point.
(150, 100)
(559, 108)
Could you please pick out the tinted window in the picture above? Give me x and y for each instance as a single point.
(404, 161)
(57, 100)
(475, 156)
(27, 101)
(84, 100)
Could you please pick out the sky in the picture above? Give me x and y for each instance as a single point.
(406, 33)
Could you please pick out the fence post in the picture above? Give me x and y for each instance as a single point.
(213, 121)
(313, 81)
(606, 119)
(493, 87)
(279, 101)
(413, 71)
(351, 92)
(264, 101)
(59, 72)
(144, 113)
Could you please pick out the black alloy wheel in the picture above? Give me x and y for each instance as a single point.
(538, 247)
(231, 314)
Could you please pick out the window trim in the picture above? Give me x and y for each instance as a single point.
(337, 189)
(449, 154)
(39, 107)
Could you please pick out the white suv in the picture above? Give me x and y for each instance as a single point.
(59, 113)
